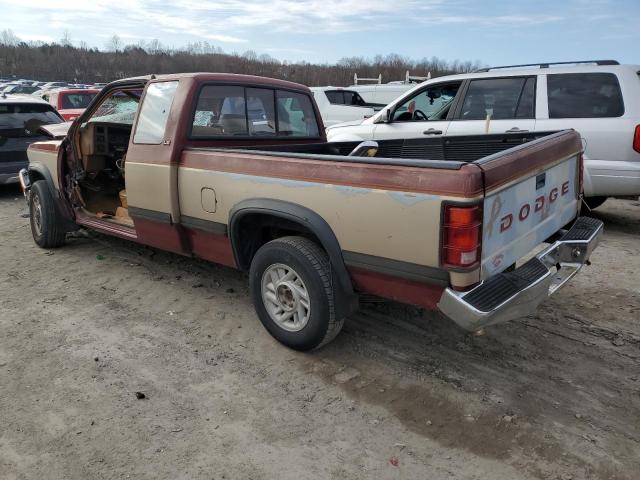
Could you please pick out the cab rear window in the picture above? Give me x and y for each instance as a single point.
(236, 111)
(584, 95)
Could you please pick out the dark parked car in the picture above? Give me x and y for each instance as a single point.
(20, 120)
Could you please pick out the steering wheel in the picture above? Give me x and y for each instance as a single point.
(419, 115)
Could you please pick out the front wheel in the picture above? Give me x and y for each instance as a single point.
(46, 225)
(292, 292)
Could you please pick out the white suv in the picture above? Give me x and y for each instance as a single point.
(339, 105)
(599, 99)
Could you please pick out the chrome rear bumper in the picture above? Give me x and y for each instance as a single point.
(510, 295)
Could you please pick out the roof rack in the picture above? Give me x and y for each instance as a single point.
(358, 80)
(415, 78)
(378, 80)
(547, 64)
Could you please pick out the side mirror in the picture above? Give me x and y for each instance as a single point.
(384, 117)
(368, 148)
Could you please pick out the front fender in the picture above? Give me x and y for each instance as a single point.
(37, 171)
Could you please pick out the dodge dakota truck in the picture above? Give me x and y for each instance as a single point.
(236, 170)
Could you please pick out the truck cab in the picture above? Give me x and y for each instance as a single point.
(107, 167)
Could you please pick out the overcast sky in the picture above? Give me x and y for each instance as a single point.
(491, 31)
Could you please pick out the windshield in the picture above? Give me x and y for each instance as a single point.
(24, 119)
(119, 107)
(77, 100)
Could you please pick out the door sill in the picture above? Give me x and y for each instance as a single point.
(105, 225)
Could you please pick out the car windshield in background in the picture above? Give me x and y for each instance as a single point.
(77, 100)
(20, 89)
(25, 119)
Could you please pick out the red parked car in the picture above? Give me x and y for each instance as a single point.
(70, 103)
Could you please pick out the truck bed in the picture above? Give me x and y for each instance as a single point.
(460, 148)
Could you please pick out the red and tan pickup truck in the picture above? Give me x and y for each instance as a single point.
(236, 170)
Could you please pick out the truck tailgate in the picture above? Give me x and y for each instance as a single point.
(530, 194)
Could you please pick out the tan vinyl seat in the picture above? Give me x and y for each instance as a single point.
(234, 124)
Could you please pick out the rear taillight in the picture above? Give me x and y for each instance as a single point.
(461, 236)
(636, 140)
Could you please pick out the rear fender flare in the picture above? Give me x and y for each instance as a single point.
(305, 217)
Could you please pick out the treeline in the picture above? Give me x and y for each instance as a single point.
(64, 61)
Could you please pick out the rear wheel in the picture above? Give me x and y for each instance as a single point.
(46, 225)
(292, 292)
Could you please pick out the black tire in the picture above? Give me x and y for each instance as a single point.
(311, 266)
(593, 202)
(46, 225)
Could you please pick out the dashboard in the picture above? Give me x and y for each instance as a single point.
(108, 139)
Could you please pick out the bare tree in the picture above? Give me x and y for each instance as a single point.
(65, 41)
(114, 44)
(8, 38)
(64, 61)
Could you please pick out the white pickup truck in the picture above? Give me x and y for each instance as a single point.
(599, 99)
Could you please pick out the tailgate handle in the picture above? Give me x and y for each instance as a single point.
(516, 130)
(432, 131)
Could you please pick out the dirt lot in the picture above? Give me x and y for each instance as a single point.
(400, 394)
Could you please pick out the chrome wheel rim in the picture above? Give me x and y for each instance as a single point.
(286, 298)
(36, 214)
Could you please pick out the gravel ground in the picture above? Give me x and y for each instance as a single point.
(87, 329)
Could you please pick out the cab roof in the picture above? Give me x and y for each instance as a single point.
(222, 77)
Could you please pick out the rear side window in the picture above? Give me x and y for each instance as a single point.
(584, 95)
(345, 97)
(335, 97)
(352, 98)
(499, 98)
(224, 111)
(155, 113)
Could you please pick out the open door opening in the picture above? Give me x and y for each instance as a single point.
(102, 143)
